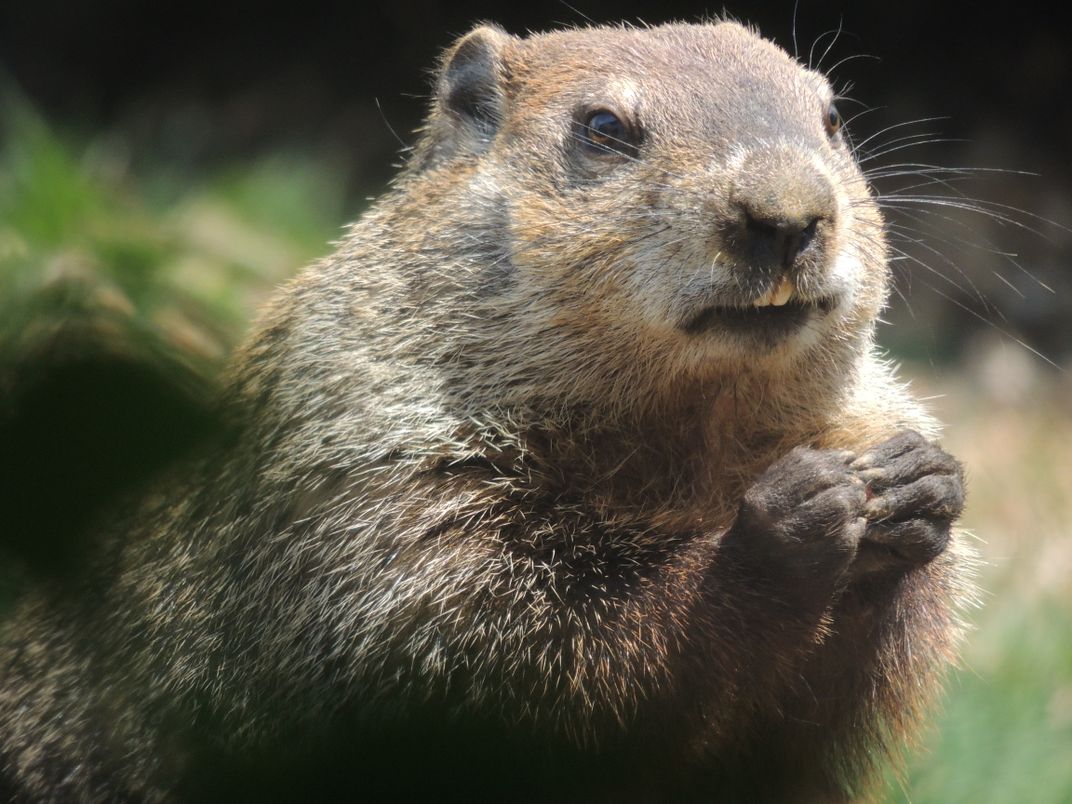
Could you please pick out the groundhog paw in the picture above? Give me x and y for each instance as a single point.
(915, 491)
(803, 518)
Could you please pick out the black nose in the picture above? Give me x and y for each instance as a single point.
(782, 210)
(783, 239)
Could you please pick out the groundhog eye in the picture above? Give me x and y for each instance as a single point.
(605, 132)
(833, 120)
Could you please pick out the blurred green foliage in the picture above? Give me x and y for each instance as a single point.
(179, 263)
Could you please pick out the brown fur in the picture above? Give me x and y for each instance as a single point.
(467, 532)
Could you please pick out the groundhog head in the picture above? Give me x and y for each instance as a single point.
(678, 201)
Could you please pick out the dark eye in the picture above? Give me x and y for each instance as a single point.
(604, 132)
(833, 120)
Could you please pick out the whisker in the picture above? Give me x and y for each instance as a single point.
(852, 58)
(913, 141)
(796, 8)
(861, 113)
(833, 41)
(991, 209)
(889, 128)
(927, 266)
(1003, 331)
(973, 242)
(1009, 284)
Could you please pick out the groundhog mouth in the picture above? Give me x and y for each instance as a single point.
(767, 321)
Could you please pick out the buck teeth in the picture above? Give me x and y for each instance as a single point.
(777, 296)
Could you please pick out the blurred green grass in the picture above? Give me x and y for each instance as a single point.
(177, 264)
(1005, 731)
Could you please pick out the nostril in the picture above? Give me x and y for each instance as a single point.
(759, 227)
(808, 233)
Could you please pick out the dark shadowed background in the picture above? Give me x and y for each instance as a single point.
(163, 166)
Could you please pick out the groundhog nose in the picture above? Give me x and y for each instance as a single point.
(781, 207)
(784, 238)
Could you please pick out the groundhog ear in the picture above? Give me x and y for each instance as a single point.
(470, 92)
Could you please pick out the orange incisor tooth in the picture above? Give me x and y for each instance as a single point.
(781, 294)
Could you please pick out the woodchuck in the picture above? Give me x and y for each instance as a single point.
(573, 474)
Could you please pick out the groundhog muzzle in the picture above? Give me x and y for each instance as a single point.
(573, 474)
